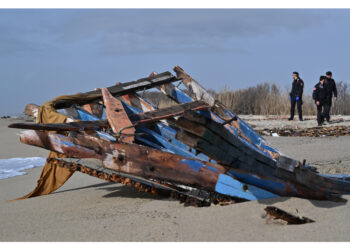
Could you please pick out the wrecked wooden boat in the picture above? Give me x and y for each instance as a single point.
(196, 150)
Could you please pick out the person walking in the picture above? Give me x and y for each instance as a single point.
(296, 96)
(332, 88)
(321, 95)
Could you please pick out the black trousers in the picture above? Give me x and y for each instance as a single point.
(292, 108)
(328, 118)
(323, 112)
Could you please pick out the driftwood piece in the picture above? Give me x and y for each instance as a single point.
(279, 214)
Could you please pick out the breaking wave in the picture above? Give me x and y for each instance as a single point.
(14, 166)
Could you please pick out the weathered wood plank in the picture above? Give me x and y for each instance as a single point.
(196, 90)
(168, 112)
(58, 143)
(122, 89)
(73, 126)
(117, 117)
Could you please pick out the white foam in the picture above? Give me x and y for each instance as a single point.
(14, 166)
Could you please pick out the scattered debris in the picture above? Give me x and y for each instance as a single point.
(197, 151)
(278, 214)
(309, 132)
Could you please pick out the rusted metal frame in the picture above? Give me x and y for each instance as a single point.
(122, 89)
(238, 126)
(248, 160)
(148, 163)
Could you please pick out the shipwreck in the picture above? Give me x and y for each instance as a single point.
(197, 151)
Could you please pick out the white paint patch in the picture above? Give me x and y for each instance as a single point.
(14, 166)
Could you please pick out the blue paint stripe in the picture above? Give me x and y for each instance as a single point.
(229, 186)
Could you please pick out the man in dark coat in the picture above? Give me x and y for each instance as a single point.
(321, 95)
(296, 96)
(332, 88)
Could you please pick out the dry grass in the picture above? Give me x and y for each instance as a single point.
(264, 99)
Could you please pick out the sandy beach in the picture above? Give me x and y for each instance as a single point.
(89, 209)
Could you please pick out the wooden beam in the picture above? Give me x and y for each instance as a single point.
(121, 89)
(117, 117)
(196, 90)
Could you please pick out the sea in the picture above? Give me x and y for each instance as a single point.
(15, 166)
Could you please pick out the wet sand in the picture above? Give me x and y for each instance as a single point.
(89, 209)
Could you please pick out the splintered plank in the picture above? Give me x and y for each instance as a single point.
(117, 117)
(196, 90)
(168, 112)
(136, 101)
(72, 126)
(121, 89)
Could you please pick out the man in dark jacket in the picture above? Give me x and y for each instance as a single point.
(321, 95)
(296, 96)
(332, 88)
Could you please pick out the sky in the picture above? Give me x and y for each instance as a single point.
(50, 52)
